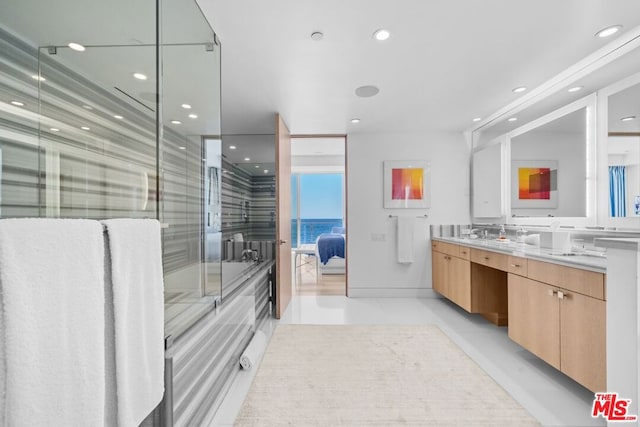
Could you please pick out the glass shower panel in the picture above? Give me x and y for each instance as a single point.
(98, 132)
(189, 114)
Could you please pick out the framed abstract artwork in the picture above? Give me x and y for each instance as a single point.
(534, 184)
(407, 184)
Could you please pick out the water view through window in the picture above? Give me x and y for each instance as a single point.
(316, 205)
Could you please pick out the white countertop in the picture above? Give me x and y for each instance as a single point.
(587, 261)
(631, 243)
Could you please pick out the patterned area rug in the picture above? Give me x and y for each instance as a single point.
(353, 375)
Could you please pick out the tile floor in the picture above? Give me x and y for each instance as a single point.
(550, 396)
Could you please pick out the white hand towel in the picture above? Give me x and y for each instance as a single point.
(138, 306)
(405, 239)
(52, 322)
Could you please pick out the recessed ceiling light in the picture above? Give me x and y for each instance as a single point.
(575, 88)
(266, 171)
(316, 35)
(609, 31)
(628, 118)
(176, 122)
(87, 107)
(246, 159)
(85, 128)
(519, 89)
(54, 129)
(355, 120)
(367, 91)
(38, 77)
(186, 106)
(119, 117)
(232, 147)
(381, 34)
(182, 148)
(77, 47)
(193, 116)
(477, 119)
(140, 76)
(512, 119)
(17, 103)
(257, 166)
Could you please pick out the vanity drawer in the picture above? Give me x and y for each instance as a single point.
(465, 252)
(517, 265)
(490, 259)
(584, 282)
(445, 248)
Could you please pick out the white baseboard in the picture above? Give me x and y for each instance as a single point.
(392, 293)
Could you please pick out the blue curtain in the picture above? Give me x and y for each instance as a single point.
(617, 191)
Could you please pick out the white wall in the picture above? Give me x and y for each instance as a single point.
(372, 267)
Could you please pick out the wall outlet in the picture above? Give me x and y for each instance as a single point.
(378, 237)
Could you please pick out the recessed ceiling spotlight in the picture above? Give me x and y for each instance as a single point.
(182, 148)
(519, 89)
(38, 77)
(186, 106)
(119, 117)
(257, 166)
(266, 171)
(85, 128)
(316, 35)
(87, 107)
(76, 46)
(246, 159)
(367, 91)
(512, 119)
(477, 119)
(609, 31)
(628, 118)
(355, 120)
(193, 116)
(381, 34)
(54, 129)
(232, 147)
(176, 122)
(17, 103)
(140, 76)
(575, 89)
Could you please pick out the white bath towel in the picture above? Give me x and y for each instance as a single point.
(405, 239)
(253, 353)
(52, 322)
(136, 277)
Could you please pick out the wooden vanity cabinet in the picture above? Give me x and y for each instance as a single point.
(451, 274)
(561, 326)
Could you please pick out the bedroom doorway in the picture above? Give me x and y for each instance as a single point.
(318, 220)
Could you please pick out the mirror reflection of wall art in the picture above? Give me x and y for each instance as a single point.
(407, 184)
(534, 184)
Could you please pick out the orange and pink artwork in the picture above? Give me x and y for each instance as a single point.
(534, 183)
(407, 184)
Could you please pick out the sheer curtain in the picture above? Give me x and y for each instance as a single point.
(617, 191)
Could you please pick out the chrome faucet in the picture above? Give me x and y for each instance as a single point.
(249, 255)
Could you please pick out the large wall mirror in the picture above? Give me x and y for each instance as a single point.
(548, 166)
(570, 156)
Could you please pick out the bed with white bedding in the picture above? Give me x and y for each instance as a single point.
(330, 253)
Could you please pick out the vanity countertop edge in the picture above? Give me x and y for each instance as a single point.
(591, 263)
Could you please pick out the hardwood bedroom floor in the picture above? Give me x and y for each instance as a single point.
(308, 284)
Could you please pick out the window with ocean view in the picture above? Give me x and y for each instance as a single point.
(316, 205)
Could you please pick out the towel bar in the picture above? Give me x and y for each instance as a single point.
(421, 216)
(162, 225)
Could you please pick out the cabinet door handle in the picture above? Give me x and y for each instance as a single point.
(516, 265)
(463, 252)
(551, 292)
(562, 295)
(486, 258)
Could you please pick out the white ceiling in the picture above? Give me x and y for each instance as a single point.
(446, 62)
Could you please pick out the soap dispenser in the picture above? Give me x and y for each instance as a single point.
(503, 233)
